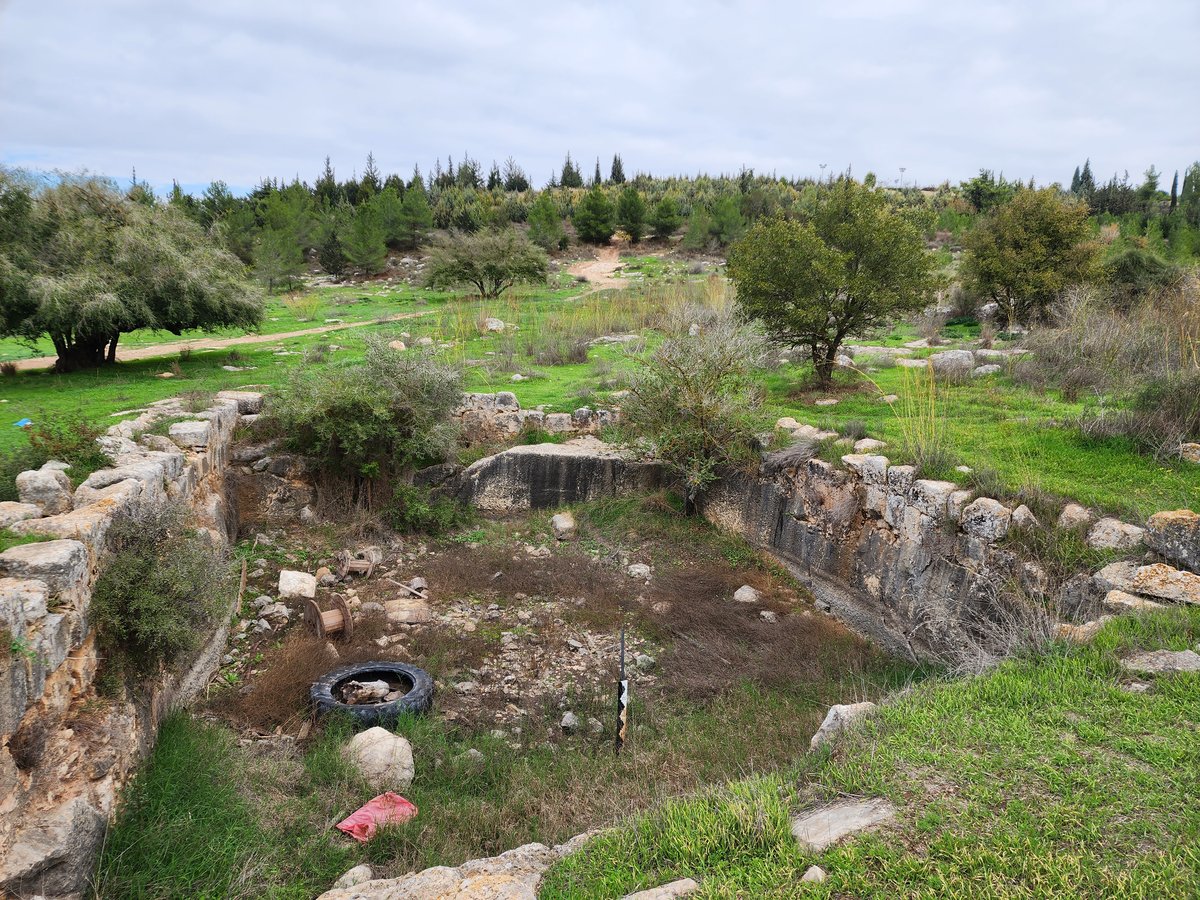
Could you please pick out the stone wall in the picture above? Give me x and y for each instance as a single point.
(488, 417)
(919, 565)
(65, 755)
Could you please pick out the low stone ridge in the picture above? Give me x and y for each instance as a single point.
(514, 875)
(821, 828)
(545, 476)
(55, 813)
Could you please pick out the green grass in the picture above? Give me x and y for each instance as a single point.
(1043, 778)
(1023, 436)
(10, 539)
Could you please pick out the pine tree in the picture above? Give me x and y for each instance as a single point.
(666, 219)
(364, 239)
(371, 183)
(417, 217)
(514, 176)
(1174, 191)
(330, 254)
(617, 173)
(593, 217)
(631, 213)
(571, 177)
(326, 189)
(494, 182)
(597, 178)
(277, 257)
(1075, 182)
(545, 223)
(1087, 183)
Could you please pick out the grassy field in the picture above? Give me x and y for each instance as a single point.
(1044, 778)
(1022, 439)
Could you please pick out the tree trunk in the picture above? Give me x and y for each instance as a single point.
(823, 364)
(81, 355)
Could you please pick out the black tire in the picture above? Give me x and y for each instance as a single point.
(419, 699)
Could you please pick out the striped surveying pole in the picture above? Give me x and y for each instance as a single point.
(622, 700)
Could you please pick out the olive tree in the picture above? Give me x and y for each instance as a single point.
(83, 264)
(490, 261)
(1029, 250)
(694, 403)
(856, 264)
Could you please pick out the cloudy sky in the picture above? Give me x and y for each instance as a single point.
(197, 90)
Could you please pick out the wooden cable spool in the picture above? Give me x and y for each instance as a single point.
(330, 622)
(348, 565)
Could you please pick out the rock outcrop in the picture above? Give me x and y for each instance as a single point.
(544, 476)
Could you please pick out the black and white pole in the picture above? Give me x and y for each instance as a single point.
(622, 700)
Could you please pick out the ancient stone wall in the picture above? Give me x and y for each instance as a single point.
(488, 417)
(64, 754)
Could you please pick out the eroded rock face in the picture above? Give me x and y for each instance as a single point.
(1175, 535)
(544, 476)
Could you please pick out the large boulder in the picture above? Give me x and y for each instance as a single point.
(297, 584)
(384, 759)
(953, 363)
(46, 488)
(1175, 536)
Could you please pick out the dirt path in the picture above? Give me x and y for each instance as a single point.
(599, 271)
(173, 347)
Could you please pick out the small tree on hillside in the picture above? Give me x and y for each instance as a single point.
(490, 261)
(665, 220)
(695, 403)
(1028, 251)
(416, 217)
(617, 172)
(631, 213)
(546, 224)
(857, 264)
(594, 217)
(571, 176)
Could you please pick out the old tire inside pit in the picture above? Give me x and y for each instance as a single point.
(326, 692)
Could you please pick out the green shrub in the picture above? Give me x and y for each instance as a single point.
(412, 508)
(69, 437)
(377, 419)
(161, 583)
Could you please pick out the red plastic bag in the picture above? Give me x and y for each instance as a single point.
(385, 809)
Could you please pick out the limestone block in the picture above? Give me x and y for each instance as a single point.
(384, 759)
(61, 564)
(839, 718)
(297, 584)
(190, 434)
(12, 512)
(1163, 581)
(249, 402)
(1113, 534)
(47, 489)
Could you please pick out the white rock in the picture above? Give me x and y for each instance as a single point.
(1163, 662)
(638, 570)
(840, 717)
(47, 489)
(1113, 534)
(868, 445)
(397, 346)
(190, 434)
(819, 829)
(986, 518)
(680, 888)
(768, 615)
(493, 324)
(746, 594)
(12, 512)
(953, 363)
(814, 875)
(1122, 602)
(1023, 517)
(826, 401)
(355, 876)
(563, 525)
(984, 371)
(297, 584)
(1075, 516)
(384, 759)
(569, 723)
